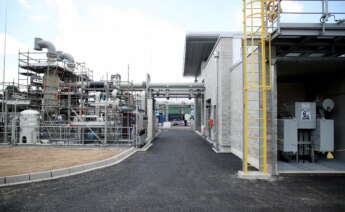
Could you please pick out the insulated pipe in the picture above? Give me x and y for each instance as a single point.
(175, 96)
(176, 85)
(172, 87)
(65, 56)
(43, 44)
(73, 84)
(97, 84)
(125, 85)
(175, 93)
(164, 85)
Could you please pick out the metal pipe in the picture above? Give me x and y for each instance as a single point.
(126, 85)
(65, 56)
(309, 13)
(163, 85)
(177, 85)
(189, 91)
(161, 92)
(173, 96)
(41, 44)
(97, 84)
(163, 95)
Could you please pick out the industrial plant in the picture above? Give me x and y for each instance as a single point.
(56, 101)
(272, 95)
(255, 120)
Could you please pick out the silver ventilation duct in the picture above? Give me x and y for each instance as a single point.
(65, 56)
(43, 44)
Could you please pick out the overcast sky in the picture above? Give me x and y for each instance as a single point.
(109, 34)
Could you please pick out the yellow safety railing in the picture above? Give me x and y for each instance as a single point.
(256, 67)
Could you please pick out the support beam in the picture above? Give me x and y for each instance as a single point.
(150, 120)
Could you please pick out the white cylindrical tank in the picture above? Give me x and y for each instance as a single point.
(114, 93)
(29, 126)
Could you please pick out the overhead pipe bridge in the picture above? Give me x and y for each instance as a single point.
(168, 90)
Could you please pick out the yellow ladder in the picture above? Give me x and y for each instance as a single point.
(257, 78)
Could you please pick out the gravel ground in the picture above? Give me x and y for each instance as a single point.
(179, 173)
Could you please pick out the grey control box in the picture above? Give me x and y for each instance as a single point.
(323, 136)
(287, 135)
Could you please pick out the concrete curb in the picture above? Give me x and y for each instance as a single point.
(149, 143)
(215, 150)
(203, 137)
(65, 172)
(208, 141)
(198, 132)
(255, 175)
(78, 146)
(145, 148)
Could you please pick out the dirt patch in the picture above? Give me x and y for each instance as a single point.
(21, 160)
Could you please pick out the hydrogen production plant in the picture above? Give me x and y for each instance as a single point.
(56, 101)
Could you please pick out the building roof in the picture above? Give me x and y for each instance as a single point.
(198, 47)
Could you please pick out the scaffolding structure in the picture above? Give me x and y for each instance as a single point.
(72, 107)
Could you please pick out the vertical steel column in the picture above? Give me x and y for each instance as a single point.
(264, 84)
(245, 94)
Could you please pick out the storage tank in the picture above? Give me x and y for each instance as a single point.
(29, 127)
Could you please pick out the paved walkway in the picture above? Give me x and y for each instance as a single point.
(179, 173)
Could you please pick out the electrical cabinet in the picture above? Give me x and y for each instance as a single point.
(287, 135)
(305, 133)
(323, 135)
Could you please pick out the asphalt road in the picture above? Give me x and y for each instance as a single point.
(179, 173)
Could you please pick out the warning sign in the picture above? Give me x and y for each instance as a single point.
(305, 115)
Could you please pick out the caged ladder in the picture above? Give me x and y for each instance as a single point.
(257, 78)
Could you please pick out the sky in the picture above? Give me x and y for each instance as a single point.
(107, 35)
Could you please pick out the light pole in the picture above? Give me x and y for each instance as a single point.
(4, 99)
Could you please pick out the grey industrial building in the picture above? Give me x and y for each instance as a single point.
(307, 66)
(208, 58)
